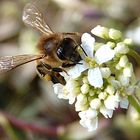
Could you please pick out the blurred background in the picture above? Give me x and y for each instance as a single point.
(29, 110)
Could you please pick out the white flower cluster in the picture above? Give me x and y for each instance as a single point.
(104, 80)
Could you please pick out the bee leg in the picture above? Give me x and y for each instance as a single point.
(41, 70)
(64, 65)
(48, 67)
(50, 74)
(57, 78)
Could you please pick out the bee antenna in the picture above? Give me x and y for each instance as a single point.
(81, 48)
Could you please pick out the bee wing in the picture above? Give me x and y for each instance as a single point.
(8, 63)
(34, 18)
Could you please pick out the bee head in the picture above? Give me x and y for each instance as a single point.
(67, 50)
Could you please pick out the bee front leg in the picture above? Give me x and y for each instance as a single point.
(43, 73)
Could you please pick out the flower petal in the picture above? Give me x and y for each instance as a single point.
(88, 44)
(104, 54)
(111, 102)
(106, 112)
(58, 88)
(95, 77)
(76, 71)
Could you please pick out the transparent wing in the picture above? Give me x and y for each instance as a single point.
(33, 17)
(8, 63)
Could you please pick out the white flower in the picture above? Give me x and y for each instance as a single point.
(110, 89)
(115, 34)
(62, 93)
(123, 61)
(85, 88)
(95, 103)
(89, 119)
(111, 102)
(121, 48)
(105, 71)
(102, 55)
(123, 80)
(100, 32)
(106, 112)
(128, 70)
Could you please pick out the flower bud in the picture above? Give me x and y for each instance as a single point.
(123, 61)
(121, 48)
(71, 84)
(111, 44)
(102, 95)
(110, 90)
(100, 31)
(118, 67)
(85, 80)
(115, 34)
(85, 88)
(123, 80)
(128, 70)
(80, 106)
(81, 103)
(128, 41)
(105, 72)
(82, 99)
(92, 92)
(95, 103)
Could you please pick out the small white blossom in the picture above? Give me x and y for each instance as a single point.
(111, 102)
(115, 34)
(110, 89)
(102, 95)
(95, 103)
(128, 41)
(89, 119)
(128, 70)
(121, 48)
(106, 112)
(105, 71)
(123, 61)
(85, 88)
(100, 31)
(124, 80)
(104, 54)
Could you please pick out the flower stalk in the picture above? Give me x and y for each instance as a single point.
(134, 102)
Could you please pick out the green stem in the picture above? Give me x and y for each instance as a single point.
(134, 102)
(135, 55)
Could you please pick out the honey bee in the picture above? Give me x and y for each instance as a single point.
(57, 50)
